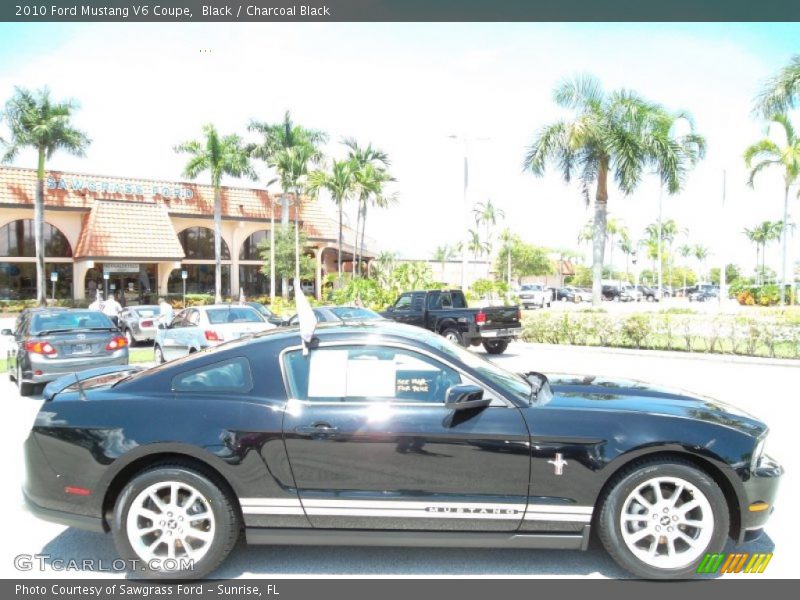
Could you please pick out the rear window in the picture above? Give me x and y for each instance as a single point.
(234, 314)
(232, 375)
(531, 288)
(149, 311)
(68, 320)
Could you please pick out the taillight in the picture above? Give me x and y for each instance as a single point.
(480, 318)
(212, 336)
(45, 348)
(148, 323)
(116, 343)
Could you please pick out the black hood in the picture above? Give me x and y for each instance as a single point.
(598, 393)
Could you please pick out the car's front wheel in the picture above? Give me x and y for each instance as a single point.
(661, 517)
(175, 522)
(158, 355)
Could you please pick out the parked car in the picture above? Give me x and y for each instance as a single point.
(534, 294)
(586, 294)
(49, 343)
(138, 323)
(445, 312)
(648, 293)
(199, 327)
(394, 437)
(265, 312)
(617, 293)
(569, 294)
(339, 314)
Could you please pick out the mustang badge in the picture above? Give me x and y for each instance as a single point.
(558, 463)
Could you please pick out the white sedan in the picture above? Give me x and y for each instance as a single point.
(199, 327)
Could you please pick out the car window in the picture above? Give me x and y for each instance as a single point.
(145, 313)
(193, 318)
(233, 314)
(445, 301)
(458, 301)
(178, 320)
(403, 302)
(353, 313)
(368, 374)
(84, 319)
(232, 375)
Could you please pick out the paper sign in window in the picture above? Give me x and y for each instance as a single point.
(327, 376)
(371, 378)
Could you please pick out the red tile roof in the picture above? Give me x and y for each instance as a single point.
(82, 191)
(132, 230)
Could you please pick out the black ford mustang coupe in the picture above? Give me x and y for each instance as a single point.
(385, 434)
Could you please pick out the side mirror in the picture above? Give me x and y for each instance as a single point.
(6, 332)
(465, 396)
(162, 326)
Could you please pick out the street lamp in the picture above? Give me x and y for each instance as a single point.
(466, 207)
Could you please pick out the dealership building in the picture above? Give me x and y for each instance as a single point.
(139, 238)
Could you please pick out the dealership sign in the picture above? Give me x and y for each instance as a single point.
(120, 268)
(102, 186)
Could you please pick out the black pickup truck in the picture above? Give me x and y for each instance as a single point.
(446, 313)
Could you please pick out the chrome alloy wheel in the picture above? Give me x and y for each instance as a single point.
(170, 519)
(667, 522)
(452, 336)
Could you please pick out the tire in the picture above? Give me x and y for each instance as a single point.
(25, 389)
(453, 335)
(620, 539)
(129, 336)
(158, 355)
(220, 528)
(495, 346)
(616, 298)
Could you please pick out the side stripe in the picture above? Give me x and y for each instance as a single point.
(415, 509)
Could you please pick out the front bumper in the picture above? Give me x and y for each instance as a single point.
(760, 489)
(44, 370)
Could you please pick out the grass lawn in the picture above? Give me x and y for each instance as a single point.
(140, 355)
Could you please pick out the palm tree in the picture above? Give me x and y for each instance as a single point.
(782, 92)
(35, 121)
(614, 228)
(701, 253)
(383, 266)
(765, 154)
(685, 251)
(370, 179)
(339, 182)
(761, 235)
(507, 238)
(486, 213)
(628, 248)
(220, 156)
(613, 135)
(290, 150)
(442, 254)
(476, 245)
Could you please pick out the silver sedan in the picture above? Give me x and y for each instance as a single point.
(199, 327)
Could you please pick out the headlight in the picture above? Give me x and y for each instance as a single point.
(758, 452)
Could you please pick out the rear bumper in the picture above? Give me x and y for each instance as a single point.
(46, 370)
(491, 334)
(64, 518)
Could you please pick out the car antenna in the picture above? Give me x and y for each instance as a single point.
(80, 386)
(305, 316)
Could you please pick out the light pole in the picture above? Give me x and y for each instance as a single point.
(466, 207)
(723, 284)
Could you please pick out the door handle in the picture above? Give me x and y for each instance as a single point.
(317, 429)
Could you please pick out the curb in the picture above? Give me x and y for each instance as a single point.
(674, 355)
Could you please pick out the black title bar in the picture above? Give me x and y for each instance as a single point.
(183, 11)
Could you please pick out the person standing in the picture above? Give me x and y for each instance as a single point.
(112, 308)
(97, 303)
(165, 312)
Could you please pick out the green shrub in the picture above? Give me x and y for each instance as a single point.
(636, 329)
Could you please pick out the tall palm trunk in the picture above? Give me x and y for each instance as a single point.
(357, 271)
(339, 257)
(296, 238)
(38, 225)
(363, 229)
(599, 231)
(784, 244)
(284, 225)
(272, 253)
(217, 244)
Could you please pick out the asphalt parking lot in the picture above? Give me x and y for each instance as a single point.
(767, 389)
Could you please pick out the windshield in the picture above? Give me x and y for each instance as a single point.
(233, 314)
(68, 320)
(531, 288)
(353, 313)
(262, 309)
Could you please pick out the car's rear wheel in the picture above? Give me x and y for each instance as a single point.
(25, 389)
(158, 355)
(495, 346)
(661, 517)
(174, 522)
(454, 336)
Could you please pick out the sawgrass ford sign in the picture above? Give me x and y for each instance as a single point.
(117, 187)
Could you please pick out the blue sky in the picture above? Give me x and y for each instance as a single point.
(406, 87)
